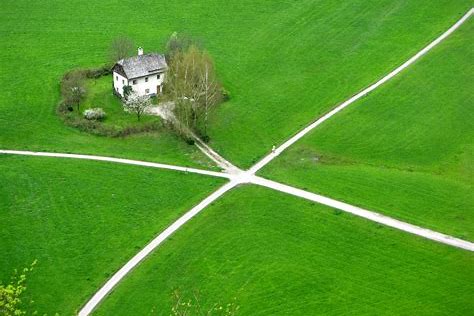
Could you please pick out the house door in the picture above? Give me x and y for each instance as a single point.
(158, 89)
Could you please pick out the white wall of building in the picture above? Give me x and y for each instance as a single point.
(119, 82)
(149, 84)
(144, 85)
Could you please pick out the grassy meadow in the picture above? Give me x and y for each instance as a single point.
(284, 63)
(281, 255)
(406, 150)
(82, 221)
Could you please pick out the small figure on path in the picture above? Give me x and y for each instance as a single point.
(273, 149)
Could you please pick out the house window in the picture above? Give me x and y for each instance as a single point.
(147, 90)
(158, 76)
(116, 78)
(146, 79)
(134, 82)
(123, 81)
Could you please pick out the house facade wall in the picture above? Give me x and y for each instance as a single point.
(139, 85)
(143, 86)
(119, 82)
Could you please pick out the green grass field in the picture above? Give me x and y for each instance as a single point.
(82, 221)
(406, 150)
(309, 57)
(283, 62)
(280, 255)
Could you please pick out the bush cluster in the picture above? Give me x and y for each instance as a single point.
(91, 73)
(96, 114)
(97, 128)
(176, 129)
(225, 94)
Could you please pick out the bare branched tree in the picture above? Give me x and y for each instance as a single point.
(177, 88)
(73, 89)
(120, 48)
(178, 44)
(211, 89)
(193, 86)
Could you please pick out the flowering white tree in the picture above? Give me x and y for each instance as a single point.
(137, 104)
(96, 114)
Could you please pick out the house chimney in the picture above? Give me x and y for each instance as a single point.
(140, 51)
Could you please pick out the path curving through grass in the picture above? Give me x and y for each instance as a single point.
(118, 160)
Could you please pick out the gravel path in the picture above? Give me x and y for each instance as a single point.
(165, 111)
(118, 160)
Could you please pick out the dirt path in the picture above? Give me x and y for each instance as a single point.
(165, 111)
(118, 160)
(247, 177)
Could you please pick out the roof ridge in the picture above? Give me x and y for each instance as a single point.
(141, 65)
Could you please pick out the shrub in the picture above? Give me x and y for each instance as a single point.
(205, 138)
(75, 78)
(72, 88)
(64, 108)
(96, 114)
(97, 128)
(225, 94)
(98, 72)
(11, 294)
(189, 140)
(127, 90)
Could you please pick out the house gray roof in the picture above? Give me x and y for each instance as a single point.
(142, 65)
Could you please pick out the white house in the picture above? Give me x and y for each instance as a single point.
(145, 73)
